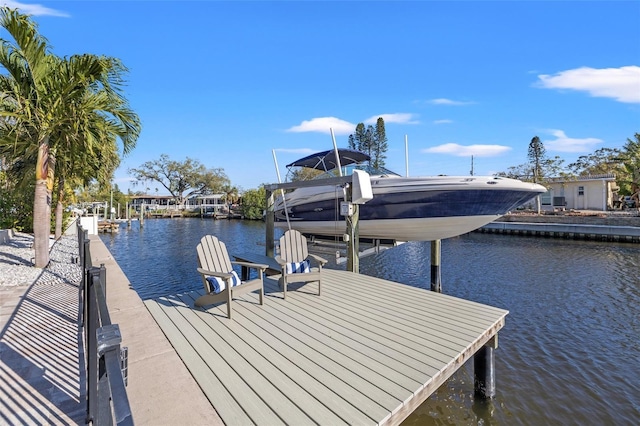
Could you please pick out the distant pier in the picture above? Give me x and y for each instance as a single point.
(574, 231)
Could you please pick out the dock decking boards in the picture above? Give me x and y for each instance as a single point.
(368, 351)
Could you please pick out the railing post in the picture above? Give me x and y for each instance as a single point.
(103, 280)
(91, 325)
(106, 380)
(108, 340)
(80, 236)
(85, 254)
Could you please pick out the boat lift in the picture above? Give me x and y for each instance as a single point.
(358, 192)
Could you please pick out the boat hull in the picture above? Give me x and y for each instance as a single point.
(419, 229)
(408, 209)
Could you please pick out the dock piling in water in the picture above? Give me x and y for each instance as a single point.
(436, 251)
(484, 372)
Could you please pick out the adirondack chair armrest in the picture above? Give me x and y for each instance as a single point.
(280, 261)
(224, 275)
(260, 266)
(321, 261)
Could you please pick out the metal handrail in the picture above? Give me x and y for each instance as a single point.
(107, 400)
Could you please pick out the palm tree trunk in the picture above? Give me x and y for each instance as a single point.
(42, 207)
(41, 224)
(59, 208)
(59, 219)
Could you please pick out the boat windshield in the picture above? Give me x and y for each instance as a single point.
(348, 171)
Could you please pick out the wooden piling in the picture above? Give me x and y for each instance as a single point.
(269, 224)
(436, 249)
(128, 213)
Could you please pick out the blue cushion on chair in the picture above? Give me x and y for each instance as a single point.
(219, 284)
(298, 267)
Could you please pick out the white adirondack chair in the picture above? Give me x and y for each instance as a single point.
(213, 261)
(293, 252)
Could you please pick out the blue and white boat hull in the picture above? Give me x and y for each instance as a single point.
(408, 209)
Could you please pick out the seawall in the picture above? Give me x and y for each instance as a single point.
(573, 225)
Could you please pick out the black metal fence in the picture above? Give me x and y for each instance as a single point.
(106, 362)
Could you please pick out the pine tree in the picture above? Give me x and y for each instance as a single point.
(536, 158)
(380, 144)
(370, 140)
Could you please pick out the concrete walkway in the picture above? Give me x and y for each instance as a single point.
(161, 390)
(41, 355)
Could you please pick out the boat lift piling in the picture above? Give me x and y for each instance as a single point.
(436, 257)
(270, 215)
(353, 240)
(359, 193)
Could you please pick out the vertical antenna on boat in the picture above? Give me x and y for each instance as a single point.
(284, 201)
(406, 153)
(335, 150)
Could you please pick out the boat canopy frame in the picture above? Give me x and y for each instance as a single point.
(350, 160)
(326, 160)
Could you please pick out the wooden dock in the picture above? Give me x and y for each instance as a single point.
(368, 351)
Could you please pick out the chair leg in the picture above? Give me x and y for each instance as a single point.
(229, 299)
(319, 287)
(260, 273)
(284, 288)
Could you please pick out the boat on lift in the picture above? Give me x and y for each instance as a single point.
(402, 208)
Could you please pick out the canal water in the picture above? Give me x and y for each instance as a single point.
(569, 353)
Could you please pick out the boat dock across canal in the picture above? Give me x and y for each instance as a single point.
(368, 351)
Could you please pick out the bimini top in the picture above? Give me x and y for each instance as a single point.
(326, 160)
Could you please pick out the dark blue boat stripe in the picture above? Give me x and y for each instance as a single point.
(410, 205)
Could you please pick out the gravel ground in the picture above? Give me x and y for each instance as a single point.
(16, 262)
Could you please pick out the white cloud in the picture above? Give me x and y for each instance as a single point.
(444, 101)
(465, 151)
(563, 143)
(398, 118)
(621, 84)
(446, 121)
(33, 9)
(322, 125)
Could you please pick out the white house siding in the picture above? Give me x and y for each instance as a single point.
(596, 194)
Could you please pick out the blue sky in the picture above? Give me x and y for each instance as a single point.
(228, 82)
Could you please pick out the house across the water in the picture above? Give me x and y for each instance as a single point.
(206, 204)
(598, 192)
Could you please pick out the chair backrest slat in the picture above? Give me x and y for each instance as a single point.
(293, 246)
(213, 255)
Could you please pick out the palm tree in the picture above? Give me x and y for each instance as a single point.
(64, 105)
(230, 195)
(90, 152)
